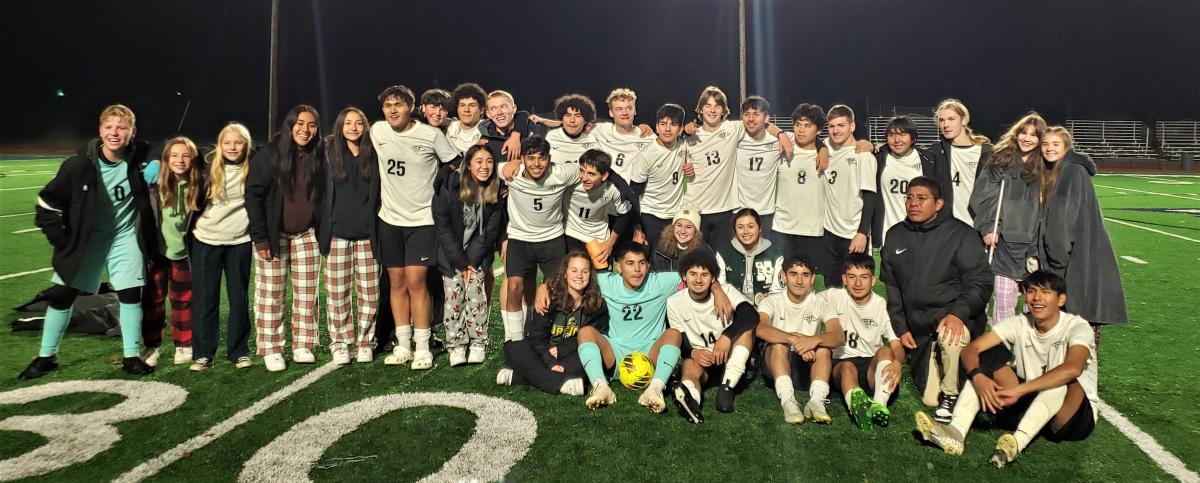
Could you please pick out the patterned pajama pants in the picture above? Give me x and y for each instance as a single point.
(466, 312)
(171, 278)
(1006, 292)
(300, 259)
(351, 261)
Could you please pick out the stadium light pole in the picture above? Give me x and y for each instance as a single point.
(272, 86)
(742, 50)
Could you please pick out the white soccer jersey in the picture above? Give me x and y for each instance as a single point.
(712, 155)
(588, 212)
(565, 149)
(804, 318)
(893, 182)
(848, 175)
(757, 163)
(620, 146)
(963, 165)
(661, 169)
(1035, 354)
(696, 320)
(800, 204)
(408, 162)
(867, 327)
(535, 208)
(464, 137)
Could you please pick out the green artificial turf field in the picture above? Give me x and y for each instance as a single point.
(1144, 372)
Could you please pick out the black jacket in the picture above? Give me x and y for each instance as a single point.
(1020, 214)
(264, 198)
(928, 168)
(933, 269)
(371, 210)
(448, 224)
(65, 206)
(940, 153)
(540, 339)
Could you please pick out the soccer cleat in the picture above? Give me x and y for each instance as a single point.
(39, 367)
(303, 356)
(458, 356)
(879, 413)
(201, 364)
(243, 362)
(573, 387)
(652, 398)
(504, 377)
(341, 357)
(274, 362)
(135, 366)
(150, 356)
(183, 355)
(1006, 451)
(942, 435)
(364, 355)
(815, 409)
(861, 407)
(688, 406)
(400, 355)
(422, 360)
(602, 395)
(724, 402)
(477, 354)
(945, 410)
(791, 412)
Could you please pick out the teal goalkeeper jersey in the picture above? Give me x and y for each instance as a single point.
(637, 316)
(115, 219)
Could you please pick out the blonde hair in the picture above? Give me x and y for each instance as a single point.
(621, 93)
(1049, 174)
(718, 95)
(504, 94)
(120, 111)
(166, 177)
(960, 108)
(216, 165)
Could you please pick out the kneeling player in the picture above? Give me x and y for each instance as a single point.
(790, 325)
(1050, 389)
(872, 355)
(710, 343)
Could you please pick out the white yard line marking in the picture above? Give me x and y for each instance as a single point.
(19, 189)
(153, 466)
(43, 173)
(21, 274)
(1164, 459)
(1134, 259)
(1160, 232)
(15, 215)
(26, 230)
(1150, 192)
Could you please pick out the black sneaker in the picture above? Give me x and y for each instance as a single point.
(724, 398)
(945, 410)
(39, 367)
(688, 406)
(135, 366)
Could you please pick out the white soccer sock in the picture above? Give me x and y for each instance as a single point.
(598, 383)
(784, 388)
(965, 410)
(736, 365)
(421, 337)
(1044, 406)
(691, 389)
(818, 390)
(514, 325)
(882, 391)
(404, 336)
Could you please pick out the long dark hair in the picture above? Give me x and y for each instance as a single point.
(560, 296)
(468, 188)
(337, 151)
(289, 157)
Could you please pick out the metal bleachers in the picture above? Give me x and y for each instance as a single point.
(1176, 138)
(927, 129)
(1110, 139)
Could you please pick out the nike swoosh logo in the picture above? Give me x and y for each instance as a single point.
(424, 259)
(901, 250)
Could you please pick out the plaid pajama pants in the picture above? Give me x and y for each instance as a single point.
(173, 279)
(300, 259)
(1005, 305)
(351, 261)
(466, 313)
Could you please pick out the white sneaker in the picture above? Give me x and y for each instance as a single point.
(504, 377)
(183, 355)
(400, 356)
(652, 398)
(815, 409)
(201, 364)
(477, 354)
(791, 412)
(341, 357)
(458, 356)
(243, 362)
(303, 356)
(150, 356)
(573, 387)
(274, 362)
(364, 356)
(602, 395)
(422, 360)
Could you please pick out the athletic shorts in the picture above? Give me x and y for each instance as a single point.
(524, 258)
(403, 246)
(801, 370)
(1078, 428)
(120, 257)
(812, 247)
(622, 348)
(863, 364)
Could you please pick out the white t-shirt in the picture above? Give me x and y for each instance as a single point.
(696, 320)
(804, 318)
(662, 171)
(622, 147)
(893, 182)
(963, 165)
(755, 170)
(867, 327)
(462, 138)
(565, 149)
(587, 215)
(408, 162)
(535, 208)
(1036, 354)
(713, 155)
(848, 175)
(800, 205)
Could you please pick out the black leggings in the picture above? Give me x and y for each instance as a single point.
(61, 297)
(528, 368)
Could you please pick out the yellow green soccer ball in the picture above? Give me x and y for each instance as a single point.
(635, 371)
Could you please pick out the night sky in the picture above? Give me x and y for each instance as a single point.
(1065, 58)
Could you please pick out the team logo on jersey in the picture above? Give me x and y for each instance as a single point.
(811, 318)
(870, 322)
(420, 149)
(679, 153)
(723, 134)
(852, 161)
(1057, 345)
(588, 145)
